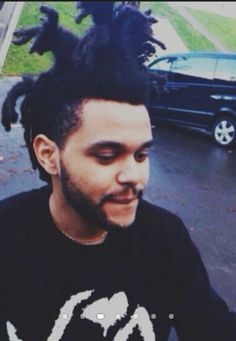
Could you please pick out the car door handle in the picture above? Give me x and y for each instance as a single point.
(216, 96)
(177, 87)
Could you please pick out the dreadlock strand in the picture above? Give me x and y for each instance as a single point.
(101, 11)
(9, 113)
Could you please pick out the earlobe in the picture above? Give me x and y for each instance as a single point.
(47, 153)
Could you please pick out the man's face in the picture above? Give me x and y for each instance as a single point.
(104, 164)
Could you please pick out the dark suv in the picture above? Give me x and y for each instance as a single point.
(200, 91)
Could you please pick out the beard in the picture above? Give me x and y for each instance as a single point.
(86, 207)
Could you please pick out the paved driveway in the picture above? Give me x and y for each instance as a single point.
(196, 179)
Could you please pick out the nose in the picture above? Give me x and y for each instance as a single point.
(133, 172)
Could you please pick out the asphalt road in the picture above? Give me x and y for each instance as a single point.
(190, 176)
(196, 179)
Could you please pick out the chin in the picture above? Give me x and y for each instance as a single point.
(124, 221)
(120, 215)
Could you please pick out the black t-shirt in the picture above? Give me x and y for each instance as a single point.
(134, 286)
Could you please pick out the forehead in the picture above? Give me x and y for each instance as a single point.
(113, 121)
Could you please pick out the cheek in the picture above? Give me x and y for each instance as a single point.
(94, 179)
(145, 173)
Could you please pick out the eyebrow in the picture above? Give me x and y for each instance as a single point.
(115, 145)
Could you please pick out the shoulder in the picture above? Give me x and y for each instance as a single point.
(163, 232)
(160, 222)
(22, 201)
(16, 211)
(163, 236)
(155, 211)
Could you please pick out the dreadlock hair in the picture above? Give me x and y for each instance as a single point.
(106, 63)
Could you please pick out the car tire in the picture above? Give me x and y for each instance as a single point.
(224, 131)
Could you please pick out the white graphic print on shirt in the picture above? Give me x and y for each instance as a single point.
(104, 312)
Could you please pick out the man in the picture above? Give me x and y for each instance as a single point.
(85, 258)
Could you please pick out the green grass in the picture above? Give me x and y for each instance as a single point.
(191, 38)
(18, 60)
(223, 28)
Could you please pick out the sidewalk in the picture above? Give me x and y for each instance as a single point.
(198, 26)
(9, 16)
(165, 32)
(225, 9)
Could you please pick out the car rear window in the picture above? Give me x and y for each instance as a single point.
(226, 70)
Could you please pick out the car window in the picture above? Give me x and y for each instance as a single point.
(193, 69)
(226, 70)
(163, 65)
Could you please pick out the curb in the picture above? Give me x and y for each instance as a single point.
(8, 26)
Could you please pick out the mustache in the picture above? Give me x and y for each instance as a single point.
(136, 193)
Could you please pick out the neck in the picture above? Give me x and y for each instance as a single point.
(71, 224)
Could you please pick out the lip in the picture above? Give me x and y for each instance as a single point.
(124, 201)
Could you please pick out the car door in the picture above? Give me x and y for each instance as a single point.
(224, 94)
(159, 98)
(190, 82)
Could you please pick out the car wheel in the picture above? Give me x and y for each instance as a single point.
(224, 131)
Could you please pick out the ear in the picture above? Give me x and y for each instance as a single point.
(47, 154)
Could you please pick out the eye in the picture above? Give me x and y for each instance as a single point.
(141, 155)
(105, 158)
